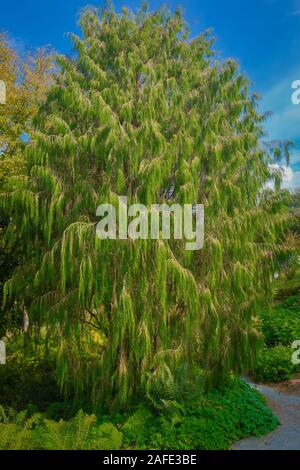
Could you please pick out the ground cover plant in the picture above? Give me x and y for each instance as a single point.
(213, 421)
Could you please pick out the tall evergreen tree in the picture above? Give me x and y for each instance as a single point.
(143, 111)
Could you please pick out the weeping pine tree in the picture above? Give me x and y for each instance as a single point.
(143, 111)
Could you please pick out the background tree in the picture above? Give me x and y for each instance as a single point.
(142, 111)
(27, 81)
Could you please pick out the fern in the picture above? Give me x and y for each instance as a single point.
(16, 430)
(20, 432)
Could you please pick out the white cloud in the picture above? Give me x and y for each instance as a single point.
(290, 178)
(295, 183)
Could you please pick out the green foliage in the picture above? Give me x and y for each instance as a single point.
(275, 365)
(214, 421)
(27, 378)
(20, 432)
(141, 111)
(289, 287)
(33, 383)
(292, 303)
(79, 433)
(16, 430)
(11, 249)
(27, 81)
(181, 385)
(281, 325)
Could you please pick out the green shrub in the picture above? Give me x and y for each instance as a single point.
(281, 325)
(28, 377)
(214, 421)
(26, 381)
(274, 365)
(292, 302)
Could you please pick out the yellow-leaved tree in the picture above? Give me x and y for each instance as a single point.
(26, 82)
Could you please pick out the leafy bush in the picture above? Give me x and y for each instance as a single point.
(275, 365)
(28, 380)
(282, 325)
(288, 287)
(292, 302)
(214, 421)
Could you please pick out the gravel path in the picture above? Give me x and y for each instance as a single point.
(286, 406)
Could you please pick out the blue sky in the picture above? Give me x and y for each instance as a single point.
(262, 35)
